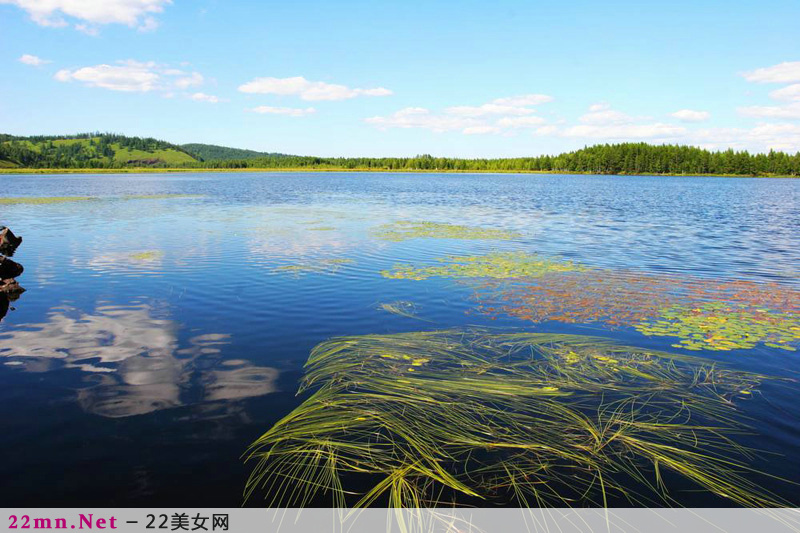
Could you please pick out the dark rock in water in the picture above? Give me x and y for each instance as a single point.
(9, 269)
(8, 241)
(4, 304)
(10, 289)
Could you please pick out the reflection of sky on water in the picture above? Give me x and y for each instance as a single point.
(134, 362)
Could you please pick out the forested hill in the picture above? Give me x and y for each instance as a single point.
(213, 152)
(117, 151)
(90, 150)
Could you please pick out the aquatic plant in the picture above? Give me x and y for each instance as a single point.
(405, 230)
(401, 308)
(322, 266)
(158, 196)
(40, 200)
(706, 314)
(43, 200)
(498, 265)
(418, 419)
(724, 326)
(150, 255)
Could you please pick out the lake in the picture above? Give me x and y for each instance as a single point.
(166, 323)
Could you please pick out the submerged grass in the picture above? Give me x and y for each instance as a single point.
(401, 308)
(405, 230)
(150, 255)
(538, 419)
(496, 265)
(322, 266)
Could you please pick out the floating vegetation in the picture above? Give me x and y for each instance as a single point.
(401, 308)
(40, 200)
(322, 266)
(705, 314)
(151, 255)
(322, 228)
(405, 230)
(497, 265)
(44, 200)
(158, 196)
(418, 419)
(724, 326)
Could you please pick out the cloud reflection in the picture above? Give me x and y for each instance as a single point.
(134, 363)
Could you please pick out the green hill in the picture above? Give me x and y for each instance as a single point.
(213, 152)
(91, 150)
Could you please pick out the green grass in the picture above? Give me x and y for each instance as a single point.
(425, 418)
(169, 156)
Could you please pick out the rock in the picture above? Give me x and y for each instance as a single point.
(4, 304)
(9, 269)
(8, 241)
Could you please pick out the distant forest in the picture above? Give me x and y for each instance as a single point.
(96, 150)
(625, 158)
(212, 152)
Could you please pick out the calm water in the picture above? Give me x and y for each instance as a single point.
(156, 340)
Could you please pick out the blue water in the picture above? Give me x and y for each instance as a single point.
(157, 340)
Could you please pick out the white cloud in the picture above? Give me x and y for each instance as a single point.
(480, 130)
(790, 111)
(115, 78)
(625, 131)
(131, 76)
(203, 97)
(790, 92)
(546, 131)
(192, 80)
(308, 90)
(520, 122)
(496, 116)
(419, 117)
(524, 100)
(487, 109)
(54, 13)
(761, 138)
(288, 111)
(602, 114)
(32, 60)
(689, 115)
(787, 72)
(604, 123)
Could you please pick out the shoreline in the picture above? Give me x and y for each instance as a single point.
(178, 170)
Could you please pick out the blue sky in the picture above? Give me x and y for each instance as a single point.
(470, 79)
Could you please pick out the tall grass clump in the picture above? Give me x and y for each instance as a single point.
(427, 418)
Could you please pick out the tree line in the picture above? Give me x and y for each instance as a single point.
(623, 158)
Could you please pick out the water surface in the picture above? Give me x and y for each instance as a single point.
(159, 337)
